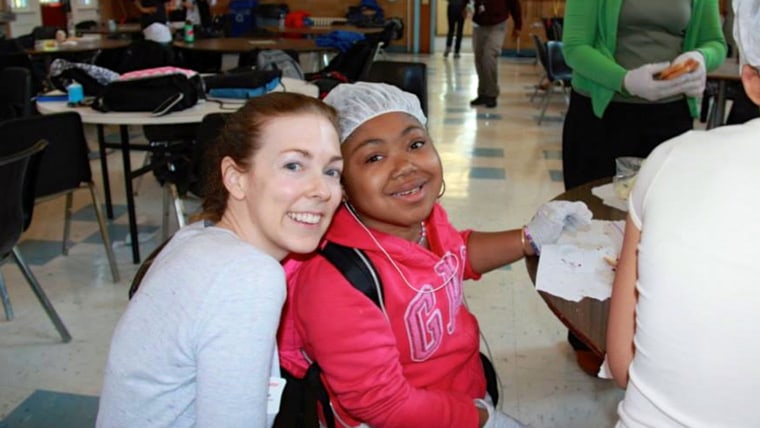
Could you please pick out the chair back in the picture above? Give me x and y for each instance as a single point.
(208, 131)
(20, 59)
(64, 165)
(557, 67)
(13, 182)
(409, 76)
(15, 93)
(142, 54)
(540, 46)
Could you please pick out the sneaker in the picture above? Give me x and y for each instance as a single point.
(456, 55)
(447, 52)
(490, 102)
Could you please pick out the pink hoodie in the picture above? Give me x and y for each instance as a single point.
(420, 366)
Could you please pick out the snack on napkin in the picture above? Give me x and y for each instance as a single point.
(676, 70)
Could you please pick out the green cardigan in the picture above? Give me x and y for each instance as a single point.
(590, 36)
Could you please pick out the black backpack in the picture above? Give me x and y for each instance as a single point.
(298, 405)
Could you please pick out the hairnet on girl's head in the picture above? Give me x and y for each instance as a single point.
(746, 33)
(359, 102)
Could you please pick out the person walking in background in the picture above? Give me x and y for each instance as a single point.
(618, 106)
(455, 15)
(683, 321)
(490, 18)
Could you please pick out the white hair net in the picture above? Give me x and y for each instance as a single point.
(746, 34)
(361, 101)
(157, 32)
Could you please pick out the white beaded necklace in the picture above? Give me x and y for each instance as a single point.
(423, 233)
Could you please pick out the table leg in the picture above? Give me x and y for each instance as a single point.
(130, 196)
(104, 171)
(716, 119)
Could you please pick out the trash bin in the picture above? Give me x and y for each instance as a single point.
(240, 14)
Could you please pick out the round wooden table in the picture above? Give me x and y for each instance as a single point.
(242, 45)
(586, 319)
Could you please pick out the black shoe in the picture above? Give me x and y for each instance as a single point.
(489, 102)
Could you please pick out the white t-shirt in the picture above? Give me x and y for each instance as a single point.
(196, 344)
(697, 361)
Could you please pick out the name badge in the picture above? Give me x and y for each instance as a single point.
(274, 395)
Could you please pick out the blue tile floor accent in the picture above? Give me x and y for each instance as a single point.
(487, 173)
(46, 409)
(486, 152)
(506, 268)
(87, 213)
(450, 110)
(118, 232)
(38, 252)
(453, 121)
(555, 175)
(489, 116)
(552, 154)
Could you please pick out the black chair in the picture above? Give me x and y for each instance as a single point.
(558, 73)
(208, 131)
(542, 83)
(15, 56)
(15, 93)
(16, 184)
(190, 176)
(392, 30)
(409, 76)
(63, 168)
(141, 54)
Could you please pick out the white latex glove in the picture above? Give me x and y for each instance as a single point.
(497, 418)
(641, 82)
(554, 217)
(693, 84)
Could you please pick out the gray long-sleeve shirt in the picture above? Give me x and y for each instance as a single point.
(196, 345)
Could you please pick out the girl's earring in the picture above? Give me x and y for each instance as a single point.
(443, 189)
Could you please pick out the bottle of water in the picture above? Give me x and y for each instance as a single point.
(70, 28)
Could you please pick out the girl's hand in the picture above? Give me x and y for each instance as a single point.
(554, 217)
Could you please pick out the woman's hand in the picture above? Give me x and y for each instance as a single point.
(694, 81)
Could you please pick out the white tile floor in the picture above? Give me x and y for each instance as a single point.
(499, 167)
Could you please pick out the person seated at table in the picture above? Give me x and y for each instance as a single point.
(414, 361)
(196, 346)
(197, 12)
(684, 323)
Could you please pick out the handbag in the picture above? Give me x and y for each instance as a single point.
(159, 90)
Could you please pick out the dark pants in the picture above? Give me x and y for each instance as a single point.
(456, 23)
(590, 144)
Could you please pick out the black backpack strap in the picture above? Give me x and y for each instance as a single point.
(492, 385)
(359, 271)
(356, 267)
(318, 389)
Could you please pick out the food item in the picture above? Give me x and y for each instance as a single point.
(676, 70)
(623, 186)
(612, 261)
